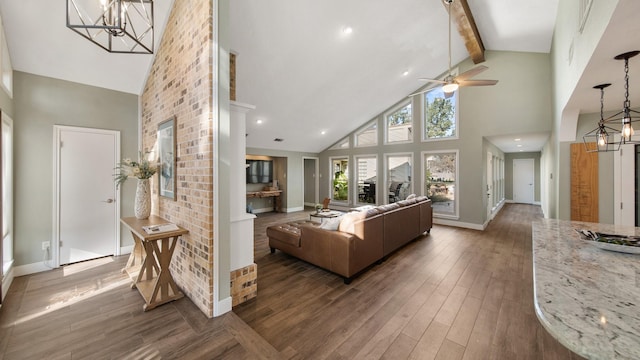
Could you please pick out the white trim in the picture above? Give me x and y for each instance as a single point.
(310, 204)
(264, 210)
(8, 203)
(461, 224)
(30, 269)
(7, 280)
(295, 209)
(55, 235)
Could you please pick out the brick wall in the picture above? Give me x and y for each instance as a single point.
(180, 84)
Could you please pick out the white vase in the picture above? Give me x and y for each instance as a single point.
(143, 199)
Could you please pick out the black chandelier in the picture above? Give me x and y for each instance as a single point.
(604, 135)
(118, 26)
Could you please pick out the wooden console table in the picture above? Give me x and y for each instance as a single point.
(268, 193)
(148, 264)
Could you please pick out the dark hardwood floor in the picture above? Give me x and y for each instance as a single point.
(455, 294)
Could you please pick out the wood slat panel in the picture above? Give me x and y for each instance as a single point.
(584, 183)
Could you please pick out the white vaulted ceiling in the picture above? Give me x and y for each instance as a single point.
(294, 63)
(305, 76)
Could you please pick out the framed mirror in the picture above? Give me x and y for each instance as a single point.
(167, 158)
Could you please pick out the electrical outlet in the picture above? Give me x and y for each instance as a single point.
(45, 245)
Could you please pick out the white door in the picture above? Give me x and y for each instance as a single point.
(523, 181)
(88, 217)
(7, 204)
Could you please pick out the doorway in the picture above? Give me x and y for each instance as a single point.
(523, 181)
(310, 195)
(86, 201)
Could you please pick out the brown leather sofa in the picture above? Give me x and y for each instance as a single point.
(362, 238)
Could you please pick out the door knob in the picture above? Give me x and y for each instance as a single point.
(108, 201)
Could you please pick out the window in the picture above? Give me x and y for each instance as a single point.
(399, 124)
(440, 117)
(399, 167)
(368, 136)
(366, 178)
(441, 181)
(342, 144)
(340, 183)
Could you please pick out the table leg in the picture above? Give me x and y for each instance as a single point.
(164, 288)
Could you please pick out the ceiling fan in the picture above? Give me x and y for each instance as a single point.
(451, 83)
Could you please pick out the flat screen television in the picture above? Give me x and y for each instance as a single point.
(259, 171)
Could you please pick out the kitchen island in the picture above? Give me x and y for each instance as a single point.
(586, 297)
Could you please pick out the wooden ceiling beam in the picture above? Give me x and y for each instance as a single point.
(461, 15)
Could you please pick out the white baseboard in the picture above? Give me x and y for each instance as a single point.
(126, 249)
(458, 224)
(6, 282)
(31, 268)
(295, 209)
(309, 204)
(222, 307)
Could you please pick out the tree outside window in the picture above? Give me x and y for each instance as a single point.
(399, 124)
(440, 115)
(340, 171)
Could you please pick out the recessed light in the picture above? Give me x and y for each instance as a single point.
(323, 132)
(347, 30)
(519, 145)
(518, 139)
(405, 73)
(521, 150)
(259, 121)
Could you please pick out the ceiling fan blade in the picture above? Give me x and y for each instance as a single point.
(433, 80)
(420, 92)
(478, 82)
(471, 73)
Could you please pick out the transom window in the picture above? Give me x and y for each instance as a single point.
(367, 136)
(440, 117)
(340, 145)
(399, 124)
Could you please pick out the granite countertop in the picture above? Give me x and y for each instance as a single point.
(587, 297)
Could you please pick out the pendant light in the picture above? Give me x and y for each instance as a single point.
(603, 135)
(118, 26)
(626, 130)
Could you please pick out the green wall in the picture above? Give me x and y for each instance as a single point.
(41, 103)
(519, 103)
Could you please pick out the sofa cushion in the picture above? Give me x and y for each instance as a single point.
(406, 202)
(421, 198)
(288, 233)
(348, 221)
(411, 196)
(331, 223)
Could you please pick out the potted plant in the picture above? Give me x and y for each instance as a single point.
(318, 208)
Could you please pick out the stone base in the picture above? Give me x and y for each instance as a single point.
(244, 284)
